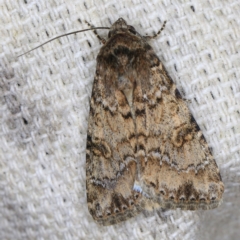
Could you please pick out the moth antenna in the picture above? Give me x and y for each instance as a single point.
(102, 40)
(66, 34)
(155, 35)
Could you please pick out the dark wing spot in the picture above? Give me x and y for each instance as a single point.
(162, 192)
(153, 184)
(178, 94)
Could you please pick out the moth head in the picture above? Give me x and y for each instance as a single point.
(120, 26)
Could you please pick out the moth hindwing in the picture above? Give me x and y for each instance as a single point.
(144, 147)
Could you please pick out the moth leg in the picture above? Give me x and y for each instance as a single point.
(102, 40)
(155, 35)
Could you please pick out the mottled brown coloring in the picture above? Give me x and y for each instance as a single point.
(141, 133)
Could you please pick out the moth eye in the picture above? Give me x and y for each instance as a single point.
(213, 198)
(132, 30)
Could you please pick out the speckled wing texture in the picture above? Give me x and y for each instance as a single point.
(144, 148)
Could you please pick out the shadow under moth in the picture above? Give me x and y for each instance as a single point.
(144, 148)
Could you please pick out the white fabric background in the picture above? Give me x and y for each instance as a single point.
(44, 104)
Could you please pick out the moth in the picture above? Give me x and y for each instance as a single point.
(144, 148)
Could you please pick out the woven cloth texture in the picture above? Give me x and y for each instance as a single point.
(44, 105)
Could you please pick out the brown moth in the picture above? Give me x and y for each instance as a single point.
(144, 148)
